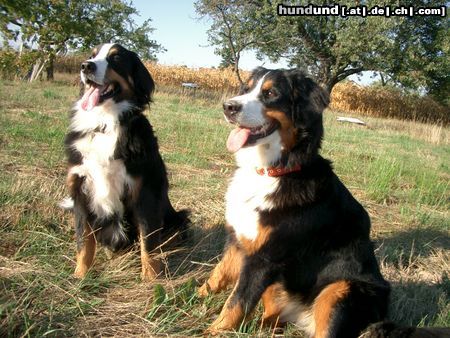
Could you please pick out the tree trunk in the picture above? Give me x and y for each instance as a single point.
(383, 81)
(236, 69)
(50, 68)
(37, 69)
(329, 83)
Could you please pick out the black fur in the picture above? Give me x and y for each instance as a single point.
(137, 148)
(320, 234)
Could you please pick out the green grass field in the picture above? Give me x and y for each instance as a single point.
(400, 171)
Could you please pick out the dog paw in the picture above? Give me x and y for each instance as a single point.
(148, 275)
(79, 273)
(217, 328)
(204, 290)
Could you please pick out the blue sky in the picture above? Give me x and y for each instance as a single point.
(184, 36)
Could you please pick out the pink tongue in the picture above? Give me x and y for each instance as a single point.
(237, 139)
(90, 98)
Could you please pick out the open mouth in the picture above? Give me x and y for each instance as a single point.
(242, 136)
(95, 93)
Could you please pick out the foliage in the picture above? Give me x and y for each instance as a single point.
(61, 25)
(419, 58)
(368, 101)
(231, 30)
(412, 52)
(15, 66)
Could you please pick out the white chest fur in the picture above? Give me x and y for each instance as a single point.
(246, 193)
(105, 177)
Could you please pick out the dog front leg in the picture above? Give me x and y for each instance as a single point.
(256, 275)
(149, 223)
(225, 273)
(151, 265)
(86, 244)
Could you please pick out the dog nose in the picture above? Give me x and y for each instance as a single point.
(231, 108)
(88, 67)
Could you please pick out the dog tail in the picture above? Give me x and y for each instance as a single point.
(66, 204)
(391, 330)
(115, 236)
(176, 221)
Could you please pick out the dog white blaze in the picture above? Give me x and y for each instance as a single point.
(252, 108)
(100, 63)
(246, 193)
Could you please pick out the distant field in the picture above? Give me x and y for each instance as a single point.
(348, 97)
(400, 171)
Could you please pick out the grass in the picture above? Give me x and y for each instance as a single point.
(400, 171)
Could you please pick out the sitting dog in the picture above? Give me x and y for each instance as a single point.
(298, 239)
(116, 177)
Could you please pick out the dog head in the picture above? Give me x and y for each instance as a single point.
(115, 73)
(279, 113)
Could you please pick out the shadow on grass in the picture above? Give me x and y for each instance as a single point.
(415, 263)
(420, 304)
(413, 243)
(201, 251)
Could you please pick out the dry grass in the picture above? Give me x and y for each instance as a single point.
(428, 132)
(346, 97)
(396, 169)
(381, 102)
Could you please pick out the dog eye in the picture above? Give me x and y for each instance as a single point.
(270, 93)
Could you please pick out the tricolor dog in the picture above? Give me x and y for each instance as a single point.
(116, 176)
(298, 240)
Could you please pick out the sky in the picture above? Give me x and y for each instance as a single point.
(184, 35)
(180, 30)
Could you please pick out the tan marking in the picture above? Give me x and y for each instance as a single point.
(225, 273)
(325, 303)
(229, 318)
(85, 256)
(274, 300)
(267, 85)
(250, 83)
(113, 76)
(287, 130)
(113, 50)
(71, 180)
(251, 246)
(151, 266)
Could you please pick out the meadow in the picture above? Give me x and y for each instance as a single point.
(399, 171)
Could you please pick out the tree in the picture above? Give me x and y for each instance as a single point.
(55, 27)
(231, 30)
(411, 52)
(419, 59)
(329, 47)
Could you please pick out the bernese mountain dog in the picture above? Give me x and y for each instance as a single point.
(116, 177)
(297, 238)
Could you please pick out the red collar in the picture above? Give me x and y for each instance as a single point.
(277, 171)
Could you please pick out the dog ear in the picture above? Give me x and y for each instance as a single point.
(144, 85)
(306, 92)
(258, 70)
